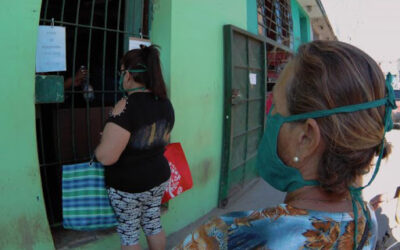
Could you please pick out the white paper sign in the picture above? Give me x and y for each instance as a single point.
(50, 49)
(253, 78)
(134, 43)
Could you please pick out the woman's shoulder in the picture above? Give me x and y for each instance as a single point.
(244, 229)
(140, 96)
(147, 97)
(279, 227)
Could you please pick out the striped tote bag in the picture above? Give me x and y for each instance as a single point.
(85, 201)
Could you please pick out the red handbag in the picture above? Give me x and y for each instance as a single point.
(181, 178)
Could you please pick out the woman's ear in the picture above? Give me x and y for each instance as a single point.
(309, 138)
(129, 74)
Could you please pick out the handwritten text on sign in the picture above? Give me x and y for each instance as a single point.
(50, 51)
(253, 78)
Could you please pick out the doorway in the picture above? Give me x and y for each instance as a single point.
(244, 108)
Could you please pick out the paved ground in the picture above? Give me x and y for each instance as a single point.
(386, 182)
(389, 174)
(259, 194)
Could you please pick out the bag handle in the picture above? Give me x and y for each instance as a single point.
(92, 159)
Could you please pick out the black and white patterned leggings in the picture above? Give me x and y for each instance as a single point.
(135, 210)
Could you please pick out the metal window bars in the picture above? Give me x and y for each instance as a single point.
(275, 21)
(98, 33)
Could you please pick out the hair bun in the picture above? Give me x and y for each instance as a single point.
(145, 50)
(150, 53)
(387, 148)
(146, 57)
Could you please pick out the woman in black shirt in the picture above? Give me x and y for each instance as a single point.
(132, 148)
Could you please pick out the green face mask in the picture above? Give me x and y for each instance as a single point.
(121, 80)
(287, 179)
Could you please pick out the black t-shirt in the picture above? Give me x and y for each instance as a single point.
(142, 164)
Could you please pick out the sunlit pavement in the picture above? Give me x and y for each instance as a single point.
(388, 178)
(257, 195)
(386, 182)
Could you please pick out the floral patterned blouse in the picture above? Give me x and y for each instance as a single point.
(281, 227)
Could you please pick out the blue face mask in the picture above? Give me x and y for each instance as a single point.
(287, 179)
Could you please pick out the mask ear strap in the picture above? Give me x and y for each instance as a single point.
(356, 192)
(137, 70)
(121, 80)
(356, 197)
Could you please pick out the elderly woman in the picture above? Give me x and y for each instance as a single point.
(331, 109)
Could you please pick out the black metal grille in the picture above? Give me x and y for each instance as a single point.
(97, 34)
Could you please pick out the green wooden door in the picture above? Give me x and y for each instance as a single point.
(244, 110)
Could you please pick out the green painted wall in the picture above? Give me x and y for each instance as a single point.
(23, 222)
(161, 34)
(304, 29)
(301, 25)
(252, 22)
(196, 83)
(190, 33)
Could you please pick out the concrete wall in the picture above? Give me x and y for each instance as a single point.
(161, 35)
(301, 25)
(190, 33)
(23, 222)
(196, 85)
(252, 22)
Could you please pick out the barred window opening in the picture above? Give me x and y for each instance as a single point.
(275, 21)
(97, 35)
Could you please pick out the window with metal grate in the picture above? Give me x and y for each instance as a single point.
(97, 35)
(275, 21)
(276, 25)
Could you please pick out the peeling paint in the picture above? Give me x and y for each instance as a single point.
(25, 233)
(23, 218)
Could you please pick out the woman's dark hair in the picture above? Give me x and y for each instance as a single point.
(147, 58)
(330, 74)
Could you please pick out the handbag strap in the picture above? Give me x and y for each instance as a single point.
(92, 159)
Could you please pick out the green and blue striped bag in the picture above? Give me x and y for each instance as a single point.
(85, 201)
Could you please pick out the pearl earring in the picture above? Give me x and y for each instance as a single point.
(296, 159)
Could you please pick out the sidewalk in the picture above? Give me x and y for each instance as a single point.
(256, 195)
(386, 182)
